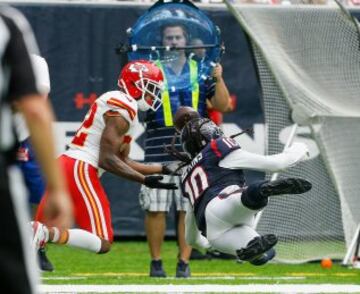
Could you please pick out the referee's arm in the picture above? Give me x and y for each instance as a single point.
(38, 115)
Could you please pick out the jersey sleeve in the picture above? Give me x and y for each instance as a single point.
(125, 108)
(242, 159)
(223, 146)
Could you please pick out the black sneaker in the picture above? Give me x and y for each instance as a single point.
(156, 269)
(182, 270)
(285, 186)
(267, 256)
(256, 247)
(44, 262)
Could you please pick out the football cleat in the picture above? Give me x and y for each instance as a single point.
(156, 269)
(182, 270)
(285, 186)
(44, 262)
(40, 235)
(267, 256)
(257, 247)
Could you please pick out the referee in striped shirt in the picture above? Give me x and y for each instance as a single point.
(18, 88)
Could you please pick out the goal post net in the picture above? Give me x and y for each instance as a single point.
(308, 61)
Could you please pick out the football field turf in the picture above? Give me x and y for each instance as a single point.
(128, 264)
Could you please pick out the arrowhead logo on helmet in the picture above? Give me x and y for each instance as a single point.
(142, 80)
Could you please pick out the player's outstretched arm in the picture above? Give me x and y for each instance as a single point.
(150, 169)
(241, 159)
(145, 169)
(110, 144)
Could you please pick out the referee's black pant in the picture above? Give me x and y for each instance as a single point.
(18, 271)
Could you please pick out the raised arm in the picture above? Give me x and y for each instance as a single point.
(220, 100)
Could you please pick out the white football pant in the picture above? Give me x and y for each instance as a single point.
(229, 224)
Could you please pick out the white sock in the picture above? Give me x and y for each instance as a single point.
(46, 233)
(84, 240)
(56, 237)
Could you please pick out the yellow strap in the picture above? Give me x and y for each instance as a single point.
(165, 95)
(168, 118)
(194, 84)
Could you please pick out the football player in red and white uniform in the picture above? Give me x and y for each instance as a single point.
(102, 144)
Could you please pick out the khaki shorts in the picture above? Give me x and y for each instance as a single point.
(161, 199)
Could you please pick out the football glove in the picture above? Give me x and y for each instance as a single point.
(155, 182)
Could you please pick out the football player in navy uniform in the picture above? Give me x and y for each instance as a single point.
(224, 207)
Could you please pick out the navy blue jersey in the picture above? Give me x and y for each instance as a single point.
(204, 179)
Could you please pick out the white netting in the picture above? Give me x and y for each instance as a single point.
(308, 60)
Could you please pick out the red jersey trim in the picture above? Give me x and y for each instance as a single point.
(112, 113)
(214, 148)
(118, 103)
(127, 139)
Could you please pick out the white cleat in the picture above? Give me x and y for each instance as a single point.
(40, 235)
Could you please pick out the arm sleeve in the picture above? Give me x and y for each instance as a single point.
(22, 80)
(240, 159)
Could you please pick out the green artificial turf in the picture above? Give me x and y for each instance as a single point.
(128, 263)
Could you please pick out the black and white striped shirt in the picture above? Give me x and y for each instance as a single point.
(17, 77)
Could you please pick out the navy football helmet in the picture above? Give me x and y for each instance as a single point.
(197, 133)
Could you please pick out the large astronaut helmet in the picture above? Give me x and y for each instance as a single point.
(201, 42)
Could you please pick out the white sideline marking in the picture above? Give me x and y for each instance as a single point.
(191, 278)
(254, 288)
(64, 278)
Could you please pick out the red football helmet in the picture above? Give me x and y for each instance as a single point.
(139, 78)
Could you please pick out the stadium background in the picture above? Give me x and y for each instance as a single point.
(79, 41)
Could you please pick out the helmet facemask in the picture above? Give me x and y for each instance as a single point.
(152, 88)
(197, 133)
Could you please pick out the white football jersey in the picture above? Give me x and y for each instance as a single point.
(85, 145)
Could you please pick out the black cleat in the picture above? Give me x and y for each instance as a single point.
(197, 255)
(257, 247)
(44, 262)
(220, 255)
(285, 186)
(267, 256)
(156, 269)
(182, 270)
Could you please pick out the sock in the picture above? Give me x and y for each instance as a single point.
(252, 198)
(56, 235)
(84, 240)
(46, 232)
